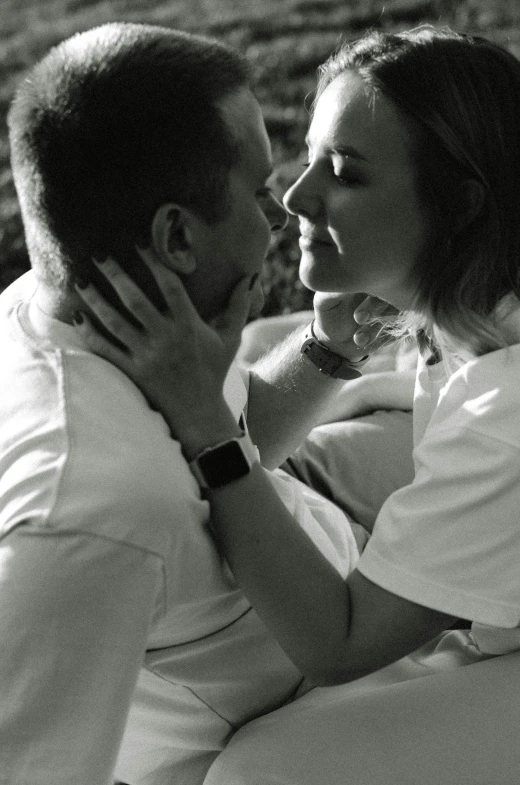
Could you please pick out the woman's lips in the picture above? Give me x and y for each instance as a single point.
(310, 241)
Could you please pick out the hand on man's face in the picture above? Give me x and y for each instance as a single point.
(177, 360)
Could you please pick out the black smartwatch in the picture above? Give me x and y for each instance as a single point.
(328, 362)
(225, 462)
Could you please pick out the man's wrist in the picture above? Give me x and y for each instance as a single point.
(328, 362)
(334, 346)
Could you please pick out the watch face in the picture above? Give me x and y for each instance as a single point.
(223, 464)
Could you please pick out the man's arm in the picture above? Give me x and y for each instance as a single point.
(287, 398)
(74, 619)
(288, 395)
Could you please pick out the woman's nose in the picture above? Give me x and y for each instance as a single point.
(299, 200)
(289, 202)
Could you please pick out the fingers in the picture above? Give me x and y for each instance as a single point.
(340, 301)
(233, 318)
(231, 321)
(107, 315)
(367, 337)
(128, 292)
(339, 310)
(170, 285)
(369, 308)
(372, 334)
(98, 344)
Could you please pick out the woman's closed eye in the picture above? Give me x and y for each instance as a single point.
(348, 178)
(343, 177)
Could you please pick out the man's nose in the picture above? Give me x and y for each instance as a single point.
(276, 215)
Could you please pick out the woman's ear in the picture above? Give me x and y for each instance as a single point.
(171, 238)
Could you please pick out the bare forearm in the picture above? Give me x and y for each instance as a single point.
(281, 571)
(287, 398)
(285, 577)
(334, 630)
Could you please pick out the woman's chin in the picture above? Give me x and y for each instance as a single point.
(316, 276)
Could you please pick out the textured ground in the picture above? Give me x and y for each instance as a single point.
(285, 40)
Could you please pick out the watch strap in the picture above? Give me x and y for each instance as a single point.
(327, 361)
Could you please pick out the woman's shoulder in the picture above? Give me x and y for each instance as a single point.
(483, 395)
(507, 319)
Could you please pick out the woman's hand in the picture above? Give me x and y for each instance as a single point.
(177, 360)
(351, 324)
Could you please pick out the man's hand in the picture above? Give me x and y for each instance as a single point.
(351, 324)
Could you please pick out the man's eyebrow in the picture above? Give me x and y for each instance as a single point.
(342, 149)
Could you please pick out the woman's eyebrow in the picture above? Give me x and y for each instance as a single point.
(352, 152)
(342, 149)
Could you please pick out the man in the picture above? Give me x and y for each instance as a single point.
(126, 647)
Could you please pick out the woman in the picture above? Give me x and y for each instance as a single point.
(411, 194)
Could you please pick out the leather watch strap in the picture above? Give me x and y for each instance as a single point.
(327, 361)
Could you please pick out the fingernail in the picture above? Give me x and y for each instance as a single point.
(101, 260)
(77, 317)
(362, 339)
(361, 316)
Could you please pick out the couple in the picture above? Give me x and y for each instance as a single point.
(129, 647)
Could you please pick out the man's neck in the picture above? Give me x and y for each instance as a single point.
(55, 304)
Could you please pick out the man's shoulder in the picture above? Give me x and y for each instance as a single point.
(97, 458)
(19, 290)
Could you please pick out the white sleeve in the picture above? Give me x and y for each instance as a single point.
(451, 539)
(74, 615)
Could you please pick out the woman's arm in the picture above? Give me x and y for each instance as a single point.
(333, 630)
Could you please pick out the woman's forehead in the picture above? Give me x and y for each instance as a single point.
(348, 115)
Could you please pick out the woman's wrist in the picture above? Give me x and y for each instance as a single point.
(207, 429)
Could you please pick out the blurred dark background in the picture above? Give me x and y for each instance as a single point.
(284, 39)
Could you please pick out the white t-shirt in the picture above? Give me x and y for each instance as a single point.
(451, 539)
(111, 587)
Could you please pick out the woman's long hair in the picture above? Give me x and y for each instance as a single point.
(459, 98)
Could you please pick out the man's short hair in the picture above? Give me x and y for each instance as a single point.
(111, 124)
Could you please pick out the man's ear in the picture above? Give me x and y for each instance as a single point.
(171, 238)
